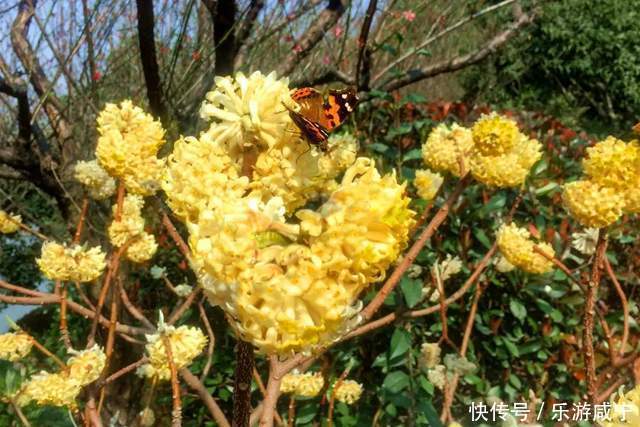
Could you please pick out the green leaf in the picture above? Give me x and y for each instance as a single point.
(415, 154)
(426, 407)
(518, 310)
(546, 189)
(400, 344)
(411, 290)
(395, 382)
(511, 347)
(378, 147)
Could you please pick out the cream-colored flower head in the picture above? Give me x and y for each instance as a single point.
(503, 265)
(143, 248)
(585, 241)
(427, 183)
(127, 147)
(447, 148)
(96, 180)
(348, 391)
(49, 389)
(613, 163)
(591, 204)
(625, 411)
(186, 344)
(289, 296)
(509, 168)
(248, 110)
(131, 224)
(516, 246)
(86, 366)
(430, 354)
(309, 384)
(495, 135)
(9, 223)
(200, 173)
(303, 385)
(448, 267)
(288, 277)
(74, 263)
(15, 346)
(290, 382)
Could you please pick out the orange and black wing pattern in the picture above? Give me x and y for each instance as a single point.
(318, 117)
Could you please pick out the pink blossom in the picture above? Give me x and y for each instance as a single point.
(409, 15)
(326, 60)
(297, 48)
(338, 30)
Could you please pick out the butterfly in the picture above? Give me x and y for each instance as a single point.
(318, 117)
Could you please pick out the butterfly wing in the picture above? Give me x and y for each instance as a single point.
(312, 131)
(339, 104)
(310, 102)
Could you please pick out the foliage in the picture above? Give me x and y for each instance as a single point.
(578, 62)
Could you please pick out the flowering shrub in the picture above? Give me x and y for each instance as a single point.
(298, 249)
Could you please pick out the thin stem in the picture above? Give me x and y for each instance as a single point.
(589, 310)
(291, 414)
(332, 400)
(64, 330)
(83, 214)
(273, 391)
(623, 301)
(16, 408)
(242, 384)
(197, 386)
(47, 353)
(119, 201)
(212, 341)
(123, 371)
(176, 413)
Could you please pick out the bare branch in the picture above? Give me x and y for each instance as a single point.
(462, 61)
(362, 46)
(313, 35)
(224, 20)
(329, 76)
(149, 61)
(52, 105)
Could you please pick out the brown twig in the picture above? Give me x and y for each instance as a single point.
(176, 413)
(122, 371)
(362, 44)
(132, 309)
(276, 372)
(119, 201)
(212, 341)
(453, 383)
(332, 400)
(413, 252)
(171, 229)
(291, 413)
(42, 349)
(112, 270)
(111, 335)
(258, 379)
(179, 311)
(83, 214)
(64, 329)
(197, 386)
(623, 301)
(16, 408)
(589, 310)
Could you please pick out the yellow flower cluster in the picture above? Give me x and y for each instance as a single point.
(427, 183)
(62, 388)
(9, 223)
(74, 263)
(445, 147)
(625, 412)
(86, 366)
(289, 277)
(14, 346)
(348, 391)
(248, 110)
(494, 150)
(611, 186)
(186, 344)
(516, 246)
(96, 180)
(127, 147)
(130, 228)
(303, 385)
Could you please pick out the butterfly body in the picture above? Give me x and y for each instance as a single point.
(318, 117)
